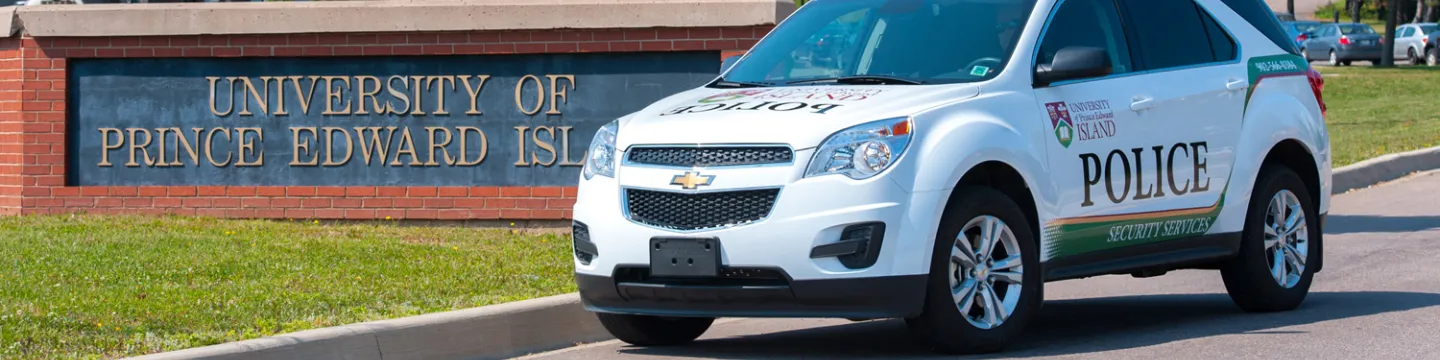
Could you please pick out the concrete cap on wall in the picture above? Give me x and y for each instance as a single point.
(387, 16)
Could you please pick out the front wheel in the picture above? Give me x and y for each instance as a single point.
(985, 282)
(642, 330)
(1271, 273)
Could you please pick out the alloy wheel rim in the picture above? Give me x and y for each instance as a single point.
(1333, 60)
(1287, 239)
(985, 272)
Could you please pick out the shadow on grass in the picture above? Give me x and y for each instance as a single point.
(1064, 327)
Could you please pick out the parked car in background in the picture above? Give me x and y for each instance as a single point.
(1284, 16)
(1342, 43)
(1412, 42)
(1300, 30)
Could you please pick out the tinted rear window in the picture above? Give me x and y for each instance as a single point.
(1357, 29)
(1259, 15)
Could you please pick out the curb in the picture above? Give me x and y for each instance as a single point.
(488, 332)
(1383, 168)
(559, 321)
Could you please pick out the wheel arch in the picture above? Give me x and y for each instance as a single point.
(1294, 155)
(1004, 178)
(977, 146)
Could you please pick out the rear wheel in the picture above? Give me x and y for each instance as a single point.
(1270, 273)
(985, 282)
(1431, 57)
(645, 330)
(1334, 60)
(1414, 58)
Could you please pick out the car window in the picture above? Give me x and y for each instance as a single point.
(1093, 23)
(1169, 33)
(1427, 29)
(1406, 32)
(1259, 15)
(1221, 44)
(1303, 27)
(1357, 29)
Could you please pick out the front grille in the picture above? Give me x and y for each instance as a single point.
(680, 211)
(710, 156)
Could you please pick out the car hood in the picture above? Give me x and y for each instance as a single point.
(798, 116)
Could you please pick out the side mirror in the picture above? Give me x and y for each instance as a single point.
(1074, 62)
(728, 62)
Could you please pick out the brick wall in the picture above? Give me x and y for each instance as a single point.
(33, 123)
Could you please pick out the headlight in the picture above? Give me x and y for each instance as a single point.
(862, 151)
(601, 158)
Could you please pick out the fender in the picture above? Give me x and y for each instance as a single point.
(955, 139)
(1273, 116)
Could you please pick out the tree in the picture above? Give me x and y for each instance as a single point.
(1387, 47)
(1290, 6)
(1419, 11)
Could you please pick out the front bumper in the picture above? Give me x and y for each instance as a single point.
(767, 268)
(871, 297)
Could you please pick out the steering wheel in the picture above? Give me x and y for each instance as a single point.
(993, 63)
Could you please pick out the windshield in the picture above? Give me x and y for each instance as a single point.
(924, 41)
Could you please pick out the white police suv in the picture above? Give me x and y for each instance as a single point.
(942, 160)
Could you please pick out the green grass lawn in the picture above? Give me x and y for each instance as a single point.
(1377, 111)
(104, 287)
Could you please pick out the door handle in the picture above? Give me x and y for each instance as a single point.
(1141, 104)
(1235, 85)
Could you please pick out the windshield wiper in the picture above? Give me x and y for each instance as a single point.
(862, 79)
(738, 84)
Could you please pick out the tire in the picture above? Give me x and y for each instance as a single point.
(1431, 57)
(1248, 277)
(1306, 54)
(642, 330)
(1334, 61)
(942, 326)
(1414, 58)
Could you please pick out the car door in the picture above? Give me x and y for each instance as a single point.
(1402, 38)
(1318, 47)
(1137, 151)
(1194, 103)
(1090, 120)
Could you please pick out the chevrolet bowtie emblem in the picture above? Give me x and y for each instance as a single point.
(691, 180)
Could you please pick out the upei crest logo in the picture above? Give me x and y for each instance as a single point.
(1060, 120)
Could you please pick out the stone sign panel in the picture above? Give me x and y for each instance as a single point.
(495, 120)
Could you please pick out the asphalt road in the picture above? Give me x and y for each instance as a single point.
(1376, 299)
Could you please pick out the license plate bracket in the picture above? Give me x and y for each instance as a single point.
(684, 257)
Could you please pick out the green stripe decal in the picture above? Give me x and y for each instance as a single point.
(1263, 67)
(1074, 236)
